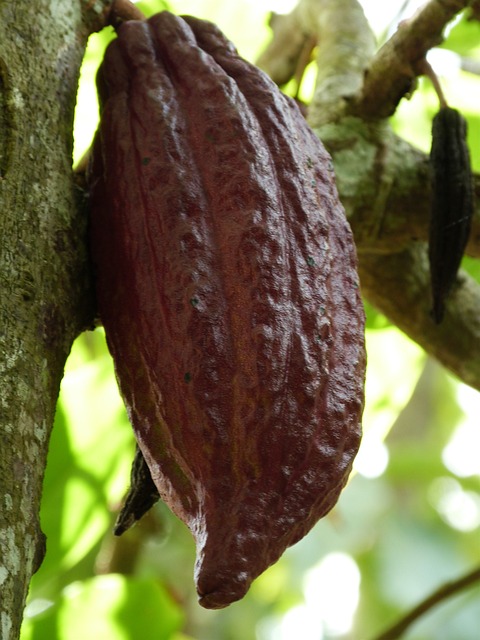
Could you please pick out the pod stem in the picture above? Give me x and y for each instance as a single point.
(122, 11)
(425, 68)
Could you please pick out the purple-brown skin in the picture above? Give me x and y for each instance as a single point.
(227, 285)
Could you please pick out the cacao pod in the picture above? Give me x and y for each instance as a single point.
(141, 497)
(227, 285)
(452, 203)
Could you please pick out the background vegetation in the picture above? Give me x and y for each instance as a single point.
(408, 521)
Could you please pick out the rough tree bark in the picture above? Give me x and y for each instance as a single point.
(44, 286)
(45, 292)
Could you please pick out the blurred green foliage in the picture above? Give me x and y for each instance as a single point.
(408, 520)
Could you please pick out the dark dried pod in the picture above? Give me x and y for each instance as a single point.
(227, 284)
(141, 497)
(452, 203)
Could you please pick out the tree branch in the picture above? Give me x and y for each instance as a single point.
(392, 73)
(398, 284)
(282, 55)
(387, 195)
(448, 590)
(345, 45)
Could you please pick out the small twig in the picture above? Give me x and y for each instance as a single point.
(446, 591)
(281, 57)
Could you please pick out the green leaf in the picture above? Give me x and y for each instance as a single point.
(375, 319)
(110, 607)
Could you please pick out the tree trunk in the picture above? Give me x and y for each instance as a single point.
(45, 297)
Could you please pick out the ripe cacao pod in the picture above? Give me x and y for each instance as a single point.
(452, 203)
(227, 284)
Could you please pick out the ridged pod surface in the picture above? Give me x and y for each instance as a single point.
(227, 285)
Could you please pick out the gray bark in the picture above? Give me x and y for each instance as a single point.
(45, 298)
